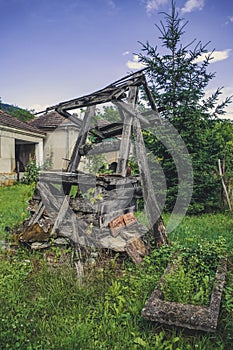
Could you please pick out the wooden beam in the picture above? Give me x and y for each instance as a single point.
(131, 111)
(151, 205)
(75, 158)
(126, 134)
(116, 90)
(103, 147)
(61, 215)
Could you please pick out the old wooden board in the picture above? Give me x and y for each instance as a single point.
(151, 205)
(75, 157)
(111, 92)
(103, 147)
(126, 134)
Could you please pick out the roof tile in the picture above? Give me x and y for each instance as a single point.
(49, 120)
(10, 121)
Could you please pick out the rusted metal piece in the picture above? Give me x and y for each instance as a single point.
(186, 315)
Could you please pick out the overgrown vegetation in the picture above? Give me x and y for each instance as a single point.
(31, 174)
(191, 279)
(13, 206)
(45, 307)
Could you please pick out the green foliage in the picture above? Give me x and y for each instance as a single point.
(17, 112)
(13, 204)
(191, 279)
(96, 163)
(110, 114)
(178, 82)
(31, 174)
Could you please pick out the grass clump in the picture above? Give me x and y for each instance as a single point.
(13, 206)
(190, 281)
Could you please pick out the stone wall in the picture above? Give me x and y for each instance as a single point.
(7, 179)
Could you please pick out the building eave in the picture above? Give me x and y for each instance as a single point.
(23, 132)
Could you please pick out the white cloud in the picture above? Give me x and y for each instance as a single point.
(37, 107)
(191, 5)
(229, 19)
(125, 53)
(153, 5)
(216, 56)
(226, 92)
(111, 4)
(135, 64)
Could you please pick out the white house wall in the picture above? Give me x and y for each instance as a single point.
(58, 146)
(7, 147)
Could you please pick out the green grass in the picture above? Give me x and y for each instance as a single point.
(13, 204)
(43, 307)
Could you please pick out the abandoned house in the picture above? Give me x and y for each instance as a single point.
(49, 138)
(19, 142)
(61, 135)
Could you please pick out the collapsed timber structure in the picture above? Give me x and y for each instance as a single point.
(102, 212)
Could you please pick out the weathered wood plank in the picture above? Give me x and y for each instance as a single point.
(131, 111)
(75, 157)
(110, 92)
(102, 147)
(37, 215)
(136, 250)
(61, 215)
(151, 205)
(126, 134)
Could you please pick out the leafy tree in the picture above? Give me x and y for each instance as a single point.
(178, 79)
(20, 113)
(110, 114)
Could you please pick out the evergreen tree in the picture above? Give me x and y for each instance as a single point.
(178, 79)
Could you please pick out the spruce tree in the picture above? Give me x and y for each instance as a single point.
(178, 80)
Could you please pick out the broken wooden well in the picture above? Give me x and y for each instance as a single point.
(108, 221)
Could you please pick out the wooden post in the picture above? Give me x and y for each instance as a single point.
(75, 158)
(223, 184)
(151, 205)
(73, 165)
(82, 137)
(61, 215)
(126, 134)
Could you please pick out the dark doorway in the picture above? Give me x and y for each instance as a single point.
(24, 152)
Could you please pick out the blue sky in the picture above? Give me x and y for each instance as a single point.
(55, 50)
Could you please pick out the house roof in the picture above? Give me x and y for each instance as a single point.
(49, 120)
(10, 121)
